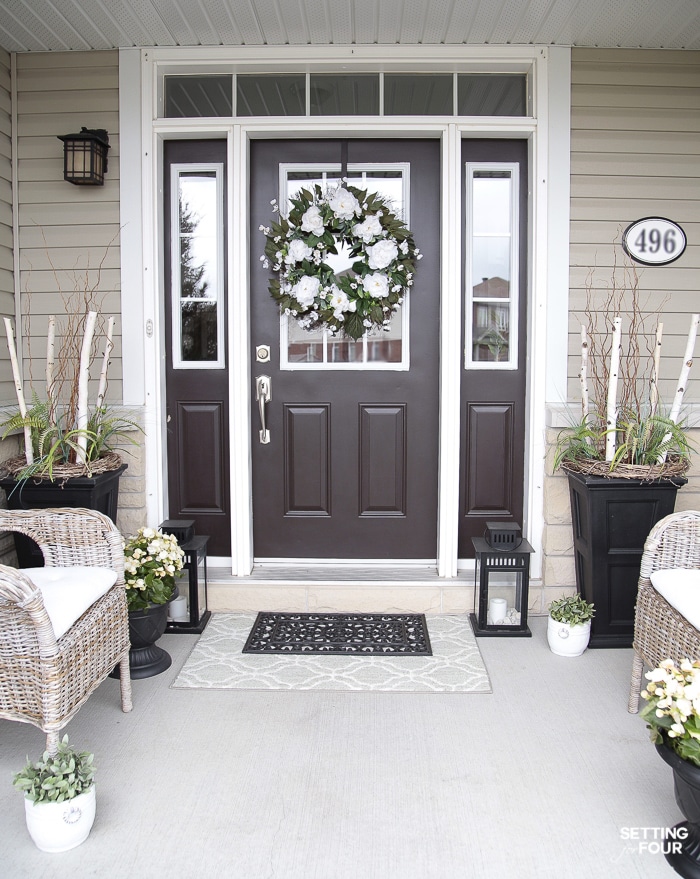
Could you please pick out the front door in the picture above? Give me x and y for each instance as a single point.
(350, 469)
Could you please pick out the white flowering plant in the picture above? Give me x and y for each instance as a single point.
(380, 245)
(672, 711)
(151, 560)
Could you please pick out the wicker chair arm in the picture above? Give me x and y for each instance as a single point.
(17, 589)
(70, 536)
(674, 542)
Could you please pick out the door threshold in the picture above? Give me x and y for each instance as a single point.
(335, 572)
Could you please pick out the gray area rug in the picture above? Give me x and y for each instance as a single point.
(216, 663)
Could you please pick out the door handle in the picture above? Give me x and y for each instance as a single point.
(263, 394)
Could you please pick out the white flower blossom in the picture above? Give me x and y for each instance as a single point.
(340, 302)
(297, 251)
(382, 254)
(306, 290)
(376, 284)
(344, 204)
(312, 221)
(368, 229)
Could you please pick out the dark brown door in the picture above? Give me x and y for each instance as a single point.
(195, 320)
(350, 471)
(494, 222)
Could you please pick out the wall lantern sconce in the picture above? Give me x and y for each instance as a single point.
(85, 156)
(502, 569)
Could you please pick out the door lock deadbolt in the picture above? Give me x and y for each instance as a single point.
(262, 353)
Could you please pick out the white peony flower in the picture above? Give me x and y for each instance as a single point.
(368, 229)
(344, 204)
(382, 254)
(377, 285)
(297, 252)
(340, 303)
(306, 290)
(312, 221)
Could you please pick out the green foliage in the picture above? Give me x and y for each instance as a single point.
(672, 712)
(573, 609)
(54, 779)
(55, 442)
(642, 440)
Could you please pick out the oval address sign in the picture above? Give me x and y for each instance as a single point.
(654, 241)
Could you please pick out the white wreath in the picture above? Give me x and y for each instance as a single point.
(381, 247)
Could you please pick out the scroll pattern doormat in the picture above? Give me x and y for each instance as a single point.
(342, 634)
(218, 663)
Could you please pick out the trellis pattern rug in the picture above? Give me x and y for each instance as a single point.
(341, 634)
(216, 662)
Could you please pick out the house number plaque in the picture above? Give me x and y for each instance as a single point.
(654, 241)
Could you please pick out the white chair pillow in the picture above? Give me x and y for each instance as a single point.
(68, 592)
(681, 588)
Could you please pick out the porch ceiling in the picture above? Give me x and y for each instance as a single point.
(60, 25)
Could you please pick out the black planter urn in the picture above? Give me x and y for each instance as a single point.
(611, 519)
(146, 658)
(682, 847)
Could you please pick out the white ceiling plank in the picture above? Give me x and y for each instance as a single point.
(78, 25)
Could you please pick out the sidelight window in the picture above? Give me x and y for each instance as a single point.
(197, 275)
(491, 269)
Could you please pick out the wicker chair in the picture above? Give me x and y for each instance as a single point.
(44, 681)
(660, 631)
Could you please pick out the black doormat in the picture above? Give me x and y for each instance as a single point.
(340, 634)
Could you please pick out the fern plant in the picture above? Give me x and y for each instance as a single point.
(55, 443)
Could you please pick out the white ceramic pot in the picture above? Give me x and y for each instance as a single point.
(57, 827)
(567, 640)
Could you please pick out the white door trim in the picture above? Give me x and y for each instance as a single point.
(143, 294)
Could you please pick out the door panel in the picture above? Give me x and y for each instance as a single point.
(351, 467)
(196, 372)
(495, 342)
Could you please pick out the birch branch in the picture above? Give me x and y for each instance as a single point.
(654, 393)
(28, 449)
(583, 375)
(685, 369)
(50, 366)
(83, 378)
(109, 345)
(611, 416)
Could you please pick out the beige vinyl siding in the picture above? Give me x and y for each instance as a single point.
(68, 235)
(7, 301)
(635, 152)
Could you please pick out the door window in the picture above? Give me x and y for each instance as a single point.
(317, 349)
(197, 266)
(491, 273)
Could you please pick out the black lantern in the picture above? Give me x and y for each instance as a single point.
(85, 156)
(502, 570)
(191, 584)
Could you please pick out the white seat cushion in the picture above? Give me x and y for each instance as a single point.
(681, 588)
(68, 592)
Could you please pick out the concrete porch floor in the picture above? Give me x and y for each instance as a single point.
(548, 776)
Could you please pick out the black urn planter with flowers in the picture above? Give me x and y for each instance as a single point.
(672, 714)
(151, 560)
(682, 847)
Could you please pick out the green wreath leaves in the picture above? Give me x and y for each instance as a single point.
(319, 223)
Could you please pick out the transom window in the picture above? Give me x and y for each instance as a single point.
(491, 274)
(317, 349)
(345, 94)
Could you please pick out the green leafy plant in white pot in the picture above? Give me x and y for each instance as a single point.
(569, 625)
(59, 798)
